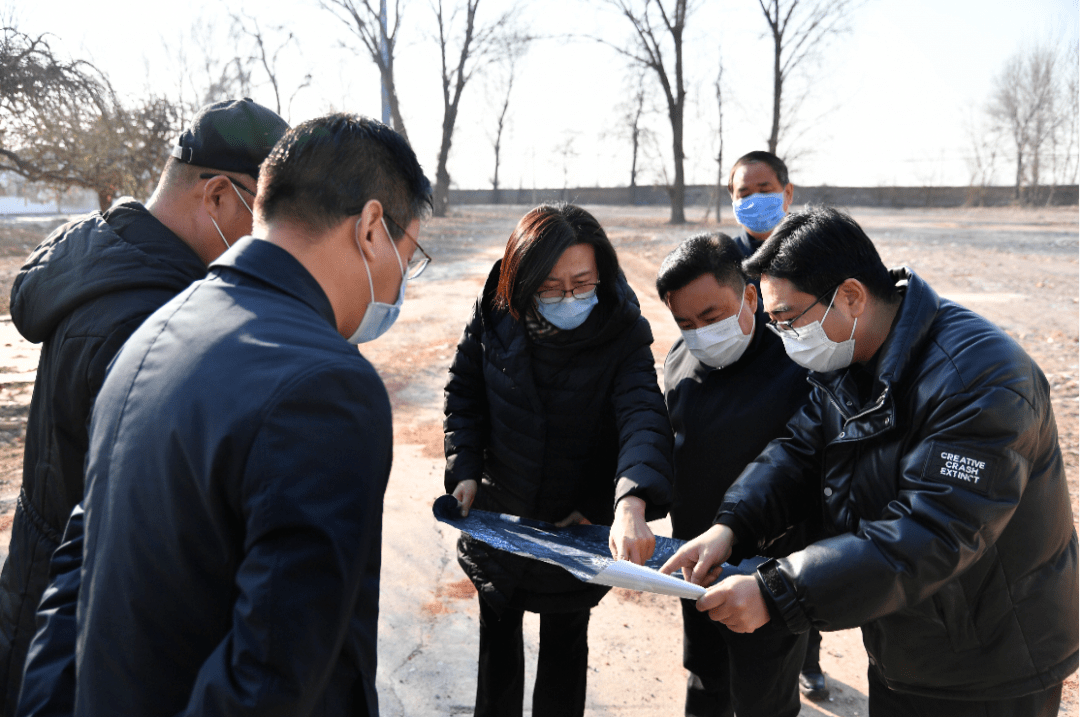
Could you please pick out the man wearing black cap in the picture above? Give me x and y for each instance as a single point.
(82, 292)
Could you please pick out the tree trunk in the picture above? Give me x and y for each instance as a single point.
(778, 88)
(442, 176)
(104, 198)
(678, 188)
(395, 108)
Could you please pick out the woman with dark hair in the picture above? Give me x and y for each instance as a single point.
(553, 413)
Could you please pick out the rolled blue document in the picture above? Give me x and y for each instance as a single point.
(581, 550)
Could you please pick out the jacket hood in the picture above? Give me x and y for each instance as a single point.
(94, 256)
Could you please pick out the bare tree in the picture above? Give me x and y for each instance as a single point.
(631, 126)
(800, 30)
(380, 40)
(510, 48)
(62, 125)
(718, 86)
(985, 146)
(1065, 144)
(475, 46)
(267, 57)
(203, 71)
(568, 152)
(648, 49)
(37, 89)
(1024, 103)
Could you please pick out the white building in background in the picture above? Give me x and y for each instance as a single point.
(19, 197)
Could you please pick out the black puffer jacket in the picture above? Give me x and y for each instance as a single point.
(82, 292)
(952, 533)
(575, 422)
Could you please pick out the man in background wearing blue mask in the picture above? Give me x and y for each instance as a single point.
(929, 450)
(730, 389)
(239, 451)
(760, 196)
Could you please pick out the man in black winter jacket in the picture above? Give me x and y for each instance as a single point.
(930, 450)
(730, 389)
(82, 293)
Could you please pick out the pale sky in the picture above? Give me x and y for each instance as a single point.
(890, 101)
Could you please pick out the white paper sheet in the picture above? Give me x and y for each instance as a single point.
(624, 574)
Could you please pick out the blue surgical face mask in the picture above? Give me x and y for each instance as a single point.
(569, 313)
(760, 213)
(379, 316)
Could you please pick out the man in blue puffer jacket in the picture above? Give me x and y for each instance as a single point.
(930, 450)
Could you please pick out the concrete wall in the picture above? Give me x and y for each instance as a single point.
(840, 196)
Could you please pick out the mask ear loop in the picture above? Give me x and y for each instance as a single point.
(219, 232)
(830, 309)
(241, 199)
(356, 238)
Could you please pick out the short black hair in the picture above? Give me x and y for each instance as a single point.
(706, 253)
(759, 157)
(535, 246)
(328, 168)
(818, 249)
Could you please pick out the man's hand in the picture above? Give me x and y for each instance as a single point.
(737, 603)
(700, 559)
(631, 538)
(465, 492)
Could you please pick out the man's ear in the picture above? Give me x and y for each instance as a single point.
(750, 295)
(369, 228)
(213, 195)
(853, 295)
(789, 194)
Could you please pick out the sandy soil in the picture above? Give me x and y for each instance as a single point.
(1017, 267)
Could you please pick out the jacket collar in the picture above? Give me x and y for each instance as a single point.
(270, 264)
(918, 308)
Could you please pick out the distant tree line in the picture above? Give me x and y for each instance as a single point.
(1030, 124)
(63, 125)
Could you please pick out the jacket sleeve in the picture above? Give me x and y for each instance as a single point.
(310, 500)
(48, 686)
(467, 419)
(943, 519)
(645, 440)
(779, 489)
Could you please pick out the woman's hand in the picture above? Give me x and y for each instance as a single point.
(631, 538)
(574, 518)
(465, 492)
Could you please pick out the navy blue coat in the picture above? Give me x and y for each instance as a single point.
(239, 452)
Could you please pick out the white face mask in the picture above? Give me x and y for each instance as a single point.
(379, 316)
(720, 344)
(813, 349)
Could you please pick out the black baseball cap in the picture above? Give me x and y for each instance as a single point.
(231, 136)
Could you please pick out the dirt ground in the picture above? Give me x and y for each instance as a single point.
(1017, 267)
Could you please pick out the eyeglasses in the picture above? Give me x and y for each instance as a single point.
(581, 292)
(415, 267)
(785, 328)
(211, 175)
